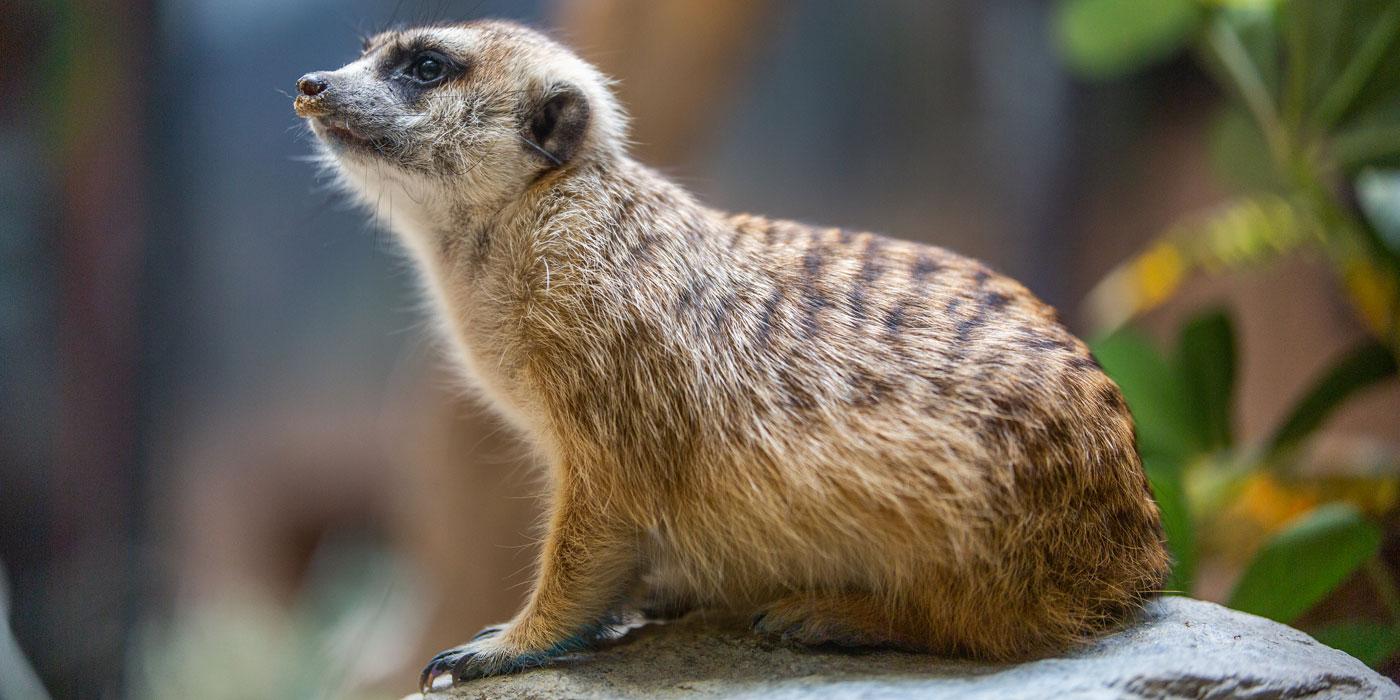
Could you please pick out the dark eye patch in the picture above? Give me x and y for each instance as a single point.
(416, 65)
(398, 55)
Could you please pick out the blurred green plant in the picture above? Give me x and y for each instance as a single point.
(1310, 139)
(346, 633)
(1302, 535)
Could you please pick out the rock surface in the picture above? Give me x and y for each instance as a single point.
(1182, 648)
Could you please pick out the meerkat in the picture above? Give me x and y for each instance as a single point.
(858, 440)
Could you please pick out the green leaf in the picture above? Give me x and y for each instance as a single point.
(1170, 492)
(1365, 365)
(1111, 38)
(1371, 642)
(1311, 30)
(1370, 48)
(1153, 390)
(1361, 66)
(1368, 145)
(1206, 358)
(1305, 561)
(1337, 58)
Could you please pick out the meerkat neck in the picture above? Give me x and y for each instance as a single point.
(594, 202)
(575, 232)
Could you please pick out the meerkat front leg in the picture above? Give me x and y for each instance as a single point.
(588, 562)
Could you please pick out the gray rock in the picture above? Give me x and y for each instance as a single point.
(1182, 648)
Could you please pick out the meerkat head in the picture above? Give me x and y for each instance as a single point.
(474, 113)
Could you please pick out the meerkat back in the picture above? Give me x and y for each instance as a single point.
(859, 440)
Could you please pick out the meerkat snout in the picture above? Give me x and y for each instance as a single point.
(312, 84)
(865, 441)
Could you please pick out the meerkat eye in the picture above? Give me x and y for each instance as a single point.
(427, 68)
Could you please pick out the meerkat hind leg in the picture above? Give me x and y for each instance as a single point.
(842, 619)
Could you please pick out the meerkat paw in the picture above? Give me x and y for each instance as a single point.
(814, 621)
(487, 654)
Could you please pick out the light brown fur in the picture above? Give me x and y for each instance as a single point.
(862, 440)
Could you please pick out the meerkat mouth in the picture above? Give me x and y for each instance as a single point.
(339, 131)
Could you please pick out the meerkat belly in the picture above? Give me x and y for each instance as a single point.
(821, 513)
(856, 471)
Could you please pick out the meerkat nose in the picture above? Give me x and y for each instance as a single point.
(312, 84)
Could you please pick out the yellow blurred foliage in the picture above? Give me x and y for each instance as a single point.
(1266, 503)
(1158, 272)
(1374, 293)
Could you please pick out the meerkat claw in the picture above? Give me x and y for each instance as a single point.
(443, 664)
(483, 656)
(439, 667)
(460, 664)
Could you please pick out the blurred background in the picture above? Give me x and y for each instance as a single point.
(231, 460)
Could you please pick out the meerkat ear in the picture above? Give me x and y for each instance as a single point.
(557, 125)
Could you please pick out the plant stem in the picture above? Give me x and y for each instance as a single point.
(1229, 50)
(1295, 20)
